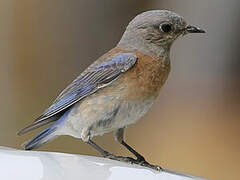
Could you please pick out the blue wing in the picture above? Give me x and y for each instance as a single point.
(97, 76)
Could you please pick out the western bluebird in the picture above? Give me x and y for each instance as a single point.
(118, 88)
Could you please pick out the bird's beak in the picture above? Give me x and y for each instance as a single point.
(193, 29)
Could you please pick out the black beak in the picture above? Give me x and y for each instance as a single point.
(193, 29)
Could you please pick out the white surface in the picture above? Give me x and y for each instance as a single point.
(35, 165)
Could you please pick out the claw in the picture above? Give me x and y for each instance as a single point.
(155, 167)
(140, 161)
(121, 158)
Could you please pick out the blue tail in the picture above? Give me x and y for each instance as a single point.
(42, 138)
(46, 135)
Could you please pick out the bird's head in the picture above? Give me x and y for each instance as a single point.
(155, 31)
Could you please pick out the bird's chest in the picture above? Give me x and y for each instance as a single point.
(140, 87)
(146, 78)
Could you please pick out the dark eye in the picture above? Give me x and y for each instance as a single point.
(166, 27)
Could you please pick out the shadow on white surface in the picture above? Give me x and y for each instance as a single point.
(36, 165)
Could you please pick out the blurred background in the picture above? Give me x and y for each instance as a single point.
(193, 127)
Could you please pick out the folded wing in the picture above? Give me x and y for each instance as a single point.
(97, 76)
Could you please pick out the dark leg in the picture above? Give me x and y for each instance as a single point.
(140, 159)
(119, 137)
(109, 155)
(98, 148)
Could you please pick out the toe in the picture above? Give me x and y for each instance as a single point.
(141, 159)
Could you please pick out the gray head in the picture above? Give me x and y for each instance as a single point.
(153, 32)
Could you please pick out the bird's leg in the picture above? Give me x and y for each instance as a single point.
(139, 157)
(119, 136)
(98, 148)
(109, 155)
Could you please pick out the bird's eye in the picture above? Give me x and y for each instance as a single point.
(166, 28)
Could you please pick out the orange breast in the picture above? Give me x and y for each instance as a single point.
(147, 77)
(143, 80)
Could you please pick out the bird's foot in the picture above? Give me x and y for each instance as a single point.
(155, 167)
(142, 162)
(139, 161)
(121, 158)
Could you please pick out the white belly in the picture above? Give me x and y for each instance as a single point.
(128, 113)
(132, 112)
(97, 116)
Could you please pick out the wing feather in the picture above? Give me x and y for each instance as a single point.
(97, 76)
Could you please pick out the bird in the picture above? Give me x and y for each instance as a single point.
(118, 88)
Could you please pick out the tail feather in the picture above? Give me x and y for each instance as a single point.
(46, 135)
(38, 124)
(42, 138)
(32, 127)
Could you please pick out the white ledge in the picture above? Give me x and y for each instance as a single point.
(36, 165)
